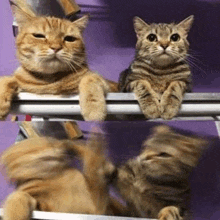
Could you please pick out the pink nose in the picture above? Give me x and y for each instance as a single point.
(56, 48)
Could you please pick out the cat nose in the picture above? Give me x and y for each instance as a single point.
(56, 48)
(164, 46)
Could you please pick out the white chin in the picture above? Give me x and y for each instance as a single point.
(53, 66)
(163, 60)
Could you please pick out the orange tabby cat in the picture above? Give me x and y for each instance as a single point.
(46, 181)
(53, 61)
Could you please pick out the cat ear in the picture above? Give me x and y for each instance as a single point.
(139, 25)
(186, 23)
(22, 12)
(82, 22)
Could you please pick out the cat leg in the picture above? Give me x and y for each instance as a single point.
(169, 213)
(19, 206)
(8, 89)
(171, 99)
(92, 91)
(148, 99)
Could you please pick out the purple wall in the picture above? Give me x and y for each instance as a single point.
(8, 61)
(8, 133)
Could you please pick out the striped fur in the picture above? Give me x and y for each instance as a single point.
(52, 55)
(159, 75)
(46, 180)
(156, 183)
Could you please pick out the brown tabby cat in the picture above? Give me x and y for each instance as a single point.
(155, 184)
(53, 61)
(46, 181)
(159, 75)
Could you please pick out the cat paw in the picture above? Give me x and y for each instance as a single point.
(169, 213)
(8, 89)
(151, 111)
(150, 107)
(94, 116)
(93, 109)
(169, 107)
(4, 107)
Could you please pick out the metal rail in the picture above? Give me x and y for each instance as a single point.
(68, 216)
(206, 106)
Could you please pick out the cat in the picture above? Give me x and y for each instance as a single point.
(52, 55)
(159, 74)
(155, 184)
(45, 180)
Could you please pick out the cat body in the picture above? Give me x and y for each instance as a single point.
(52, 55)
(159, 74)
(155, 184)
(46, 180)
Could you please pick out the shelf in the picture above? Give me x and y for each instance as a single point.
(205, 105)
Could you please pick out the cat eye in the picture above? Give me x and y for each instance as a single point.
(163, 154)
(39, 35)
(175, 37)
(152, 37)
(69, 38)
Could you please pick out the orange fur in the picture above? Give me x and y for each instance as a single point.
(47, 182)
(52, 55)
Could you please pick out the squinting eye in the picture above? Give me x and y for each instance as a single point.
(152, 37)
(163, 154)
(69, 38)
(175, 37)
(39, 35)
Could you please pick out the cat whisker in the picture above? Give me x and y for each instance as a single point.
(68, 62)
(71, 66)
(193, 64)
(77, 64)
(71, 62)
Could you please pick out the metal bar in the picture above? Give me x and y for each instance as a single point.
(68, 216)
(51, 108)
(194, 104)
(217, 124)
(114, 97)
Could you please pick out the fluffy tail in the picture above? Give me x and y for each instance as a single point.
(44, 158)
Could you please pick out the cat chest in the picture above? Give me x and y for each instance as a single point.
(64, 86)
(159, 84)
(145, 203)
(159, 79)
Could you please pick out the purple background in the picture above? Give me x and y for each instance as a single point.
(110, 38)
(125, 141)
(110, 41)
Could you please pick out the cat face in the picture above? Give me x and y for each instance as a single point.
(48, 44)
(162, 44)
(166, 153)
